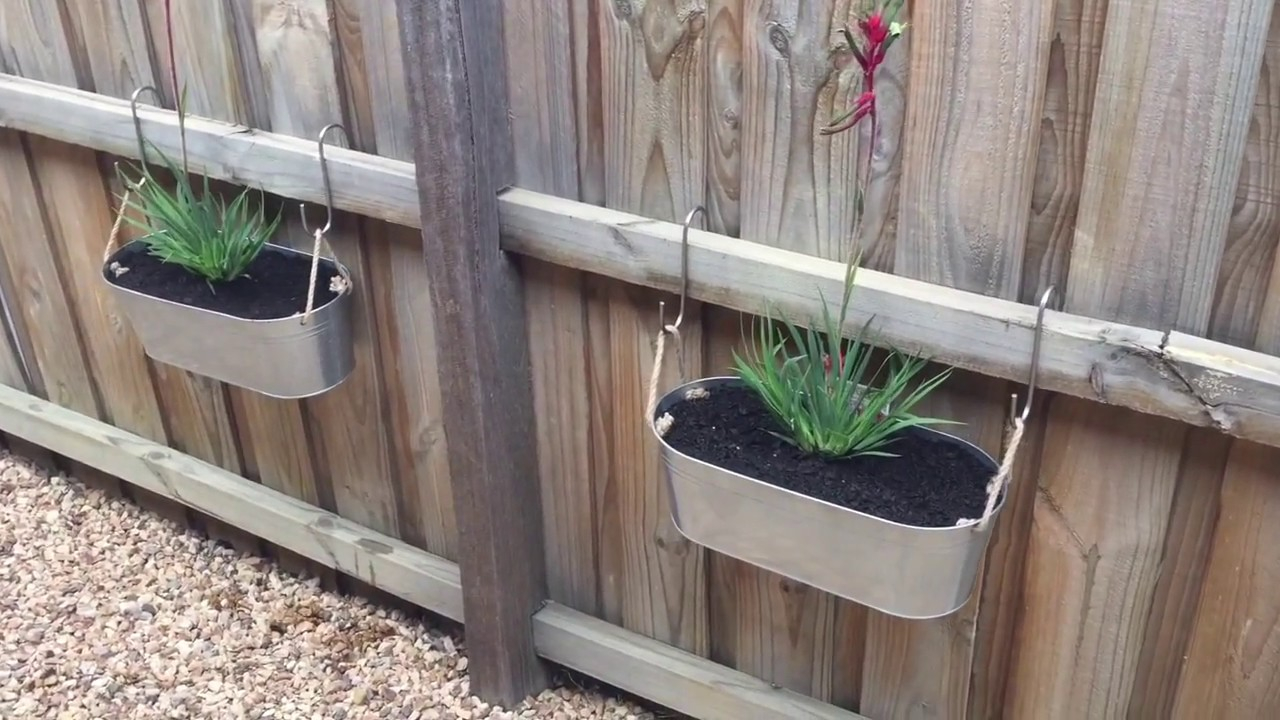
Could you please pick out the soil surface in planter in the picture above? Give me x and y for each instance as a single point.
(275, 285)
(932, 482)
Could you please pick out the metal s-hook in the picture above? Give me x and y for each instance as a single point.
(1035, 356)
(324, 174)
(137, 123)
(684, 271)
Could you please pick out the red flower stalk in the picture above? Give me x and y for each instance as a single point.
(876, 32)
(826, 362)
(173, 80)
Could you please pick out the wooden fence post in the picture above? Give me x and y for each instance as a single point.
(455, 82)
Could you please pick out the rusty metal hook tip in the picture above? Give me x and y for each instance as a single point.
(684, 269)
(1035, 353)
(324, 176)
(137, 123)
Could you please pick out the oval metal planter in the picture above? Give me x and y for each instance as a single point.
(280, 357)
(902, 570)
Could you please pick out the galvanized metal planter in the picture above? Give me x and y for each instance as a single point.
(902, 570)
(281, 357)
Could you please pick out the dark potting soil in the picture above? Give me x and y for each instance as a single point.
(275, 285)
(932, 482)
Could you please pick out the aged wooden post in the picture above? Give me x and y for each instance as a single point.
(454, 77)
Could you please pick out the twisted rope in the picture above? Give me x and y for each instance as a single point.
(1001, 479)
(658, 356)
(114, 238)
(339, 285)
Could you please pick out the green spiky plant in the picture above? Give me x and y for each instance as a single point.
(827, 392)
(198, 231)
(830, 394)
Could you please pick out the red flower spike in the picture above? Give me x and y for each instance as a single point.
(875, 28)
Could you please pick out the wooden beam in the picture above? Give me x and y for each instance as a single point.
(1171, 374)
(400, 569)
(680, 680)
(667, 675)
(456, 87)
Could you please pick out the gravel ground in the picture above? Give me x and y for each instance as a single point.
(107, 611)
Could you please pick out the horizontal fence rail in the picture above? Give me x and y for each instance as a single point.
(625, 659)
(1171, 374)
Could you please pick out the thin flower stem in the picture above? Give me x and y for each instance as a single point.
(173, 81)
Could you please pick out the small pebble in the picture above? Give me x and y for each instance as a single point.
(109, 611)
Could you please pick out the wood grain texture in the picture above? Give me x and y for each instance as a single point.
(115, 40)
(46, 326)
(80, 220)
(1239, 302)
(1215, 385)
(679, 680)
(798, 188)
(344, 425)
(1064, 133)
(458, 101)
(406, 324)
(963, 210)
(764, 58)
(540, 72)
(1219, 631)
(654, 100)
(1233, 658)
(206, 55)
(194, 410)
(1072, 67)
(223, 80)
(963, 224)
(1094, 561)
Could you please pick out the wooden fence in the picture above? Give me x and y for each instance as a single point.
(1124, 151)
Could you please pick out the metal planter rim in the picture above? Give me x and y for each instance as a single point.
(277, 357)
(205, 311)
(909, 571)
(664, 402)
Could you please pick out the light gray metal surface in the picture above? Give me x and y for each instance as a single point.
(282, 358)
(902, 570)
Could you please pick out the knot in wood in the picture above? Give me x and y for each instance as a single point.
(779, 39)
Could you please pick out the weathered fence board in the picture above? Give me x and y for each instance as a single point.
(1109, 479)
(1146, 541)
(654, 103)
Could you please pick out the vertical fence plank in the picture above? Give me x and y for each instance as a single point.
(1174, 94)
(963, 221)
(588, 74)
(191, 409)
(458, 101)
(540, 72)
(294, 48)
(1229, 652)
(47, 325)
(1064, 135)
(38, 47)
(653, 94)
(797, 191)
(1072, 71)
(210, 56)
(406, 325)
